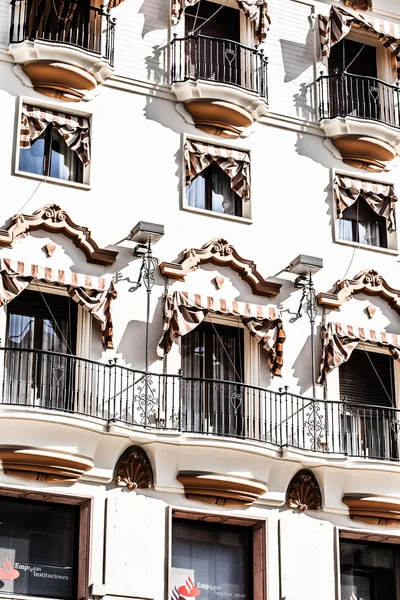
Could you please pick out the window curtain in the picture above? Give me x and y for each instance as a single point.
(380, 197)
(334, 28)
(254, 10)
(184, 311)
(339, 341)
(235, 163)
(74, 130)
(94, 294)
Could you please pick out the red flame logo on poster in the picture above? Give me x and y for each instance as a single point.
(8, 572)
(188, 590)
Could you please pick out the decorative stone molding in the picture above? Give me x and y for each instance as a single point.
(375, 510)
(221, 489)
(219, 252)
(358, 4)
(37, 464)
(303, 492)
(134, 469)
(368, 282)
(52, 218)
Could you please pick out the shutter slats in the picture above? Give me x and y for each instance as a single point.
(359, 382)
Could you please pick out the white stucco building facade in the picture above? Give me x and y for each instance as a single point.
(200, 300)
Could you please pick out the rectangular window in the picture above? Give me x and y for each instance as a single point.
(211, 560)
(369, 571)
(39, 544)
(211, 190)
(361, 224)
(53, 144)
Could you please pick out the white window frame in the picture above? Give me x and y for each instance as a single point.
(392, 247)
(246, 205)
(85, 185)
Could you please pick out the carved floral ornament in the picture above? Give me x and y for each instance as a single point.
(368, 282)
(52, 218)
(358, 4)
(303, 492)
(134, 470)
(219, 252)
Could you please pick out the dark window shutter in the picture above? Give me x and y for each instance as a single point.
(359, 383)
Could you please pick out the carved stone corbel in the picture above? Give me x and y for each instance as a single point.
(303, 492)
(134, 470)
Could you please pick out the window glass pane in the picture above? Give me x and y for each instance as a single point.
(362, 225)
(31, 159)
(37, 549)
(212, 558)
(367, 571)
(223, 197)
(196, 193)
(63, 164)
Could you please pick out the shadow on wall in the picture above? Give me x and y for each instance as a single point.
(154, 19)
(297, 57)
(157, 65)
(304, 102)
(302, 364)
(132, 342)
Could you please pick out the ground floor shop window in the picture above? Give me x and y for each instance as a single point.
(212, 561)
(39, 545)
(369, 571)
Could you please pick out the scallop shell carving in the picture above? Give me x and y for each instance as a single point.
(359, 4)
(303, 492)
(134, 469)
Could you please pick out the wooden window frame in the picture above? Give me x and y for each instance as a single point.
(259, 529)
(84, 530)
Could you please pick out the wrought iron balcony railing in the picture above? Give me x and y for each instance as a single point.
(46, 380)
(219, 60)
(76, 24)
(343, 94)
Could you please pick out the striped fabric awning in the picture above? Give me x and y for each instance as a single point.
(73, 129)
(339, 341)
(254, 10)
(380, 197)
(94, 294)
(235, 163)
(334, 28)
(184, 311)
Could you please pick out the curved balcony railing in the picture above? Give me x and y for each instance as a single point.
(343, 94)
(46, 380)
(85, 27)
(223, 61)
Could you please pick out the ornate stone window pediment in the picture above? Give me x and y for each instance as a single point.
(54, 219)
(219, 252)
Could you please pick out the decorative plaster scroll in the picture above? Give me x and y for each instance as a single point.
(303, 492)
(367, 282)
(219, 252)
(37, 464)
(375, 510)
(358, 4)
(52, 218)
(220, 488)
(134, 469)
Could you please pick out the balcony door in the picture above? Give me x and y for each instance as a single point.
(369, 426)
(41, 332)
(355, 89)
(216, 56)
(212, 365)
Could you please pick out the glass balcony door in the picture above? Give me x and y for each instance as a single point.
(39, 325)
(212, 365)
